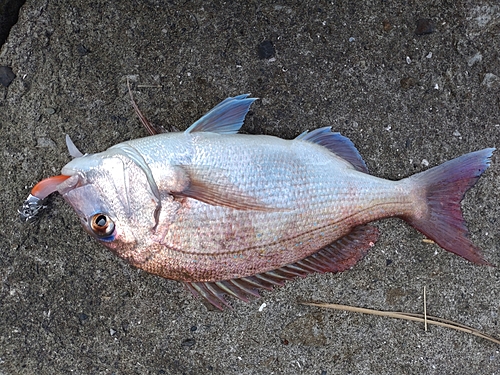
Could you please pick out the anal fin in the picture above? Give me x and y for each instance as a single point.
(342, 254)
(339, 256)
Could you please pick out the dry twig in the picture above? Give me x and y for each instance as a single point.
(408, 316)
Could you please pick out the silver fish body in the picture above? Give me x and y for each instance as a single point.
(288, 186)
(227, 212)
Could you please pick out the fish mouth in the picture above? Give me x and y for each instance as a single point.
(70, 183)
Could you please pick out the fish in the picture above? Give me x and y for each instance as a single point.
(232, 214)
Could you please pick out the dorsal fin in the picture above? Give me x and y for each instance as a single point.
(336, 257)
(336, 143)
(226, 117)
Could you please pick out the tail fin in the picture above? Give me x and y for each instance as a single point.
(445, 186)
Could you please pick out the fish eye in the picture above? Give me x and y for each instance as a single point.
(102, 225)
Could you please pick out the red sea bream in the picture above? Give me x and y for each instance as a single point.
(229, 213)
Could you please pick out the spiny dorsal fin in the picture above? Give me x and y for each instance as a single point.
(336, 143)
(225, 118)
(336, 257)
(72, 149)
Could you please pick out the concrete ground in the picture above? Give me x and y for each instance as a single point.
(409, 97)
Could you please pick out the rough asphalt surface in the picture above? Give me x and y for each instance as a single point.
(409, 94)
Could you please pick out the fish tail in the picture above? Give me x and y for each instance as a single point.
(443, 187)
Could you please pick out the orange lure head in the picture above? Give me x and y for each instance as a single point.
(33, 204)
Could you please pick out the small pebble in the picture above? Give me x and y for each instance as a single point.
(125, 326)
(407, 82)
(490, 80)
(6, 76)
(49, 111)
(386, 25)
(82, 50)
(425, 26)
(188, 343)
(112, 331)
(82, 317)
(266, 50)
(478, 57)
(45, 143)
(456, 133)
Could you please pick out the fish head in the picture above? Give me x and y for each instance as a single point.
(113, 196)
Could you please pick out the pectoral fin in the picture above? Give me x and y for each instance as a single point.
(212, 186)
